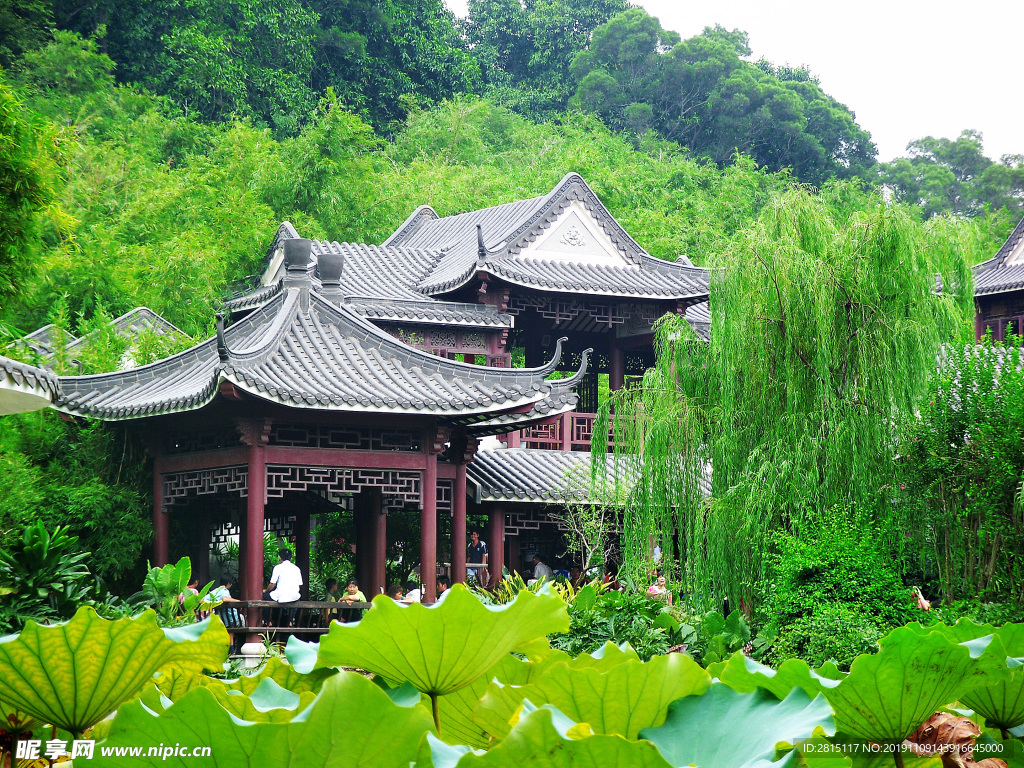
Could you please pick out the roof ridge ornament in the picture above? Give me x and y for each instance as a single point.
(298, 252)
(330, 266)
(222, 342)
(552, 364)
(584, 358)
(481, 249)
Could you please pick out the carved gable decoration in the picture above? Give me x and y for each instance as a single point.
(576, 236)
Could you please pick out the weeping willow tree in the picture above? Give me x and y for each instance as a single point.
(824, 331)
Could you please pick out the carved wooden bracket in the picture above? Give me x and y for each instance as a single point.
(254, 432)
(436, 442)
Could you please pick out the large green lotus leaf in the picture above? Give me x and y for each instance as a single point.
(1010, 750)
(545, 738)
(456, 708)
(175, 682)
(442, 647)
(301, 655)
(74, 674)
(745, 675)
(13, 720)
(888, 695)
(268, 702)
(623, 700)
(727, 729)
(352, 723)
(1002, 703)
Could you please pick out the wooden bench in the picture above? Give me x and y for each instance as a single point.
(303, 617)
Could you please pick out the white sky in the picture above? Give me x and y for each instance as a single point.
(906, 68)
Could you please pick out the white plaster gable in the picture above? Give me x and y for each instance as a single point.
(1016, 256)
(576, 237)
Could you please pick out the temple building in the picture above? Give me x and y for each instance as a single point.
(452, 371)
(999, 289)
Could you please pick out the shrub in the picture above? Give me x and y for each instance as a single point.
(833, 595)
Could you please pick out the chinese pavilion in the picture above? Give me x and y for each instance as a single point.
(999, 289)
(364, 377)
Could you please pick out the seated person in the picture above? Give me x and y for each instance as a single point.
(413, 594)
(285, 583)
(540, 570)
(443, 585)
(222, 594)
(659, 591)
(395, 592)
(352, 595)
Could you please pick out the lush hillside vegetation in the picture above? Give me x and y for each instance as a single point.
(148, 152)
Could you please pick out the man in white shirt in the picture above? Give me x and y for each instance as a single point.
(540, 570)
(285, 582)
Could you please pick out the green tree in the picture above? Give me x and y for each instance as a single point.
(954, 175)
(24, 26)
(702, 93)
(962, 474)
(825, 330)
(32, 153)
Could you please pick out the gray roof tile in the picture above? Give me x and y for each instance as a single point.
(542, 476)
(326, 358)
(995, 275)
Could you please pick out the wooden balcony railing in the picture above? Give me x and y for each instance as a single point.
(570, 432)
(304, 617)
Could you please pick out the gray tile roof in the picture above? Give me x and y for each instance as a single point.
(995, 275)
(431, 312)
(542, 476)
(304, 352)
(508, 229)
(379, 283)
(130, 324)
(533, 475)
(699, 318)
(17, 378)
(43, 341)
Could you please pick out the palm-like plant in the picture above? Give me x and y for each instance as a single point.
(45, 573)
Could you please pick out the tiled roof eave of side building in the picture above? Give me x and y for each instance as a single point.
(303, 351)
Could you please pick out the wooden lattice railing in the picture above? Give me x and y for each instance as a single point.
(570, 432)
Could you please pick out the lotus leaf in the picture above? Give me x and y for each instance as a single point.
(1002, 703)
(745, 675)
(301, 655)
(74, 674)
(14, 720)
(622, 700)
(445, 646)
(545, 738)
(350, 724)
(456, 709)
(886, 696)
(727, 729)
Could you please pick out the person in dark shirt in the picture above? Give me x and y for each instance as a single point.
(476, 552)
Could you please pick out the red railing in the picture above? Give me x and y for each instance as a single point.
(570, 432)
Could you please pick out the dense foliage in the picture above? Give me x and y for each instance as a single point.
(825, 332)
(496, 694)
(962, 471)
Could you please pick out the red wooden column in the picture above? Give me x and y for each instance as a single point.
(364, 542)
(302, 550)
(616, 365)
(161, 519)
(428, 518)
(496, 545)
(459, 524)
(378, 523)
(254, 434)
